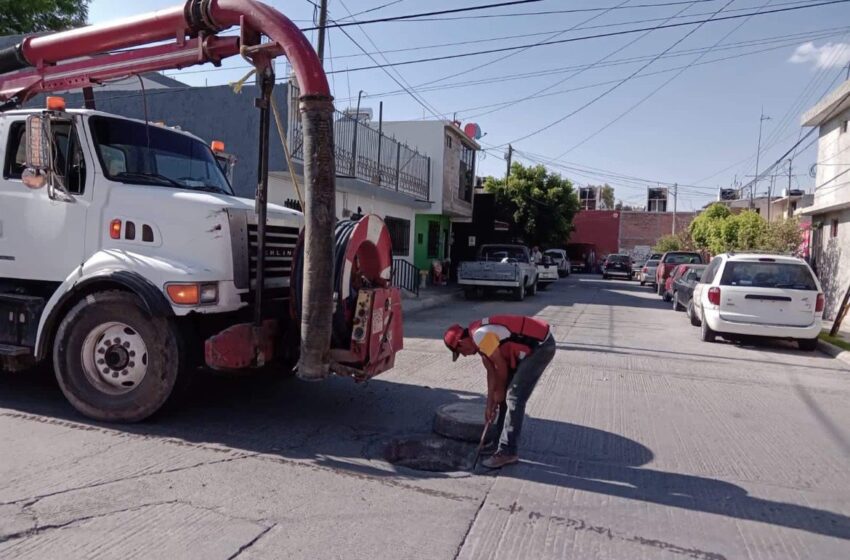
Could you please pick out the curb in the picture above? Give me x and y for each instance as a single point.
(414, 305)
(834, 351)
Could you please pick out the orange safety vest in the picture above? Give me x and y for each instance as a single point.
(526, 334)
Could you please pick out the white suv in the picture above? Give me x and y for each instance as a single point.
(759, 295)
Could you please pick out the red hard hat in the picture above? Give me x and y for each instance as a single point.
(452, 337)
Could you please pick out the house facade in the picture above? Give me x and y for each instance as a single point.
(452, 159)
(830, 210)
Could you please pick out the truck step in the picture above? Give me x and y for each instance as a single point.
(11, 350)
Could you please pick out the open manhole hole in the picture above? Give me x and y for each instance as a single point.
(430, 453)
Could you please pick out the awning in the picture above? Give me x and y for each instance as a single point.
(823, 208)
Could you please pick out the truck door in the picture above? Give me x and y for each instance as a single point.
(42, 237)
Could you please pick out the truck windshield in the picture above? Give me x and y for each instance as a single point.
(135, 153)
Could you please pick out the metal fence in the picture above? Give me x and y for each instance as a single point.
(405, 275)
(362, 152)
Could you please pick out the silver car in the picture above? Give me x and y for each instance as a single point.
(647, 273)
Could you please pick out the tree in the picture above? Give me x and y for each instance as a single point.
(784, 236)
(717, 230)
(29, 16)
(668, 243)
(705, 227)
(538, 205)
(607, 196)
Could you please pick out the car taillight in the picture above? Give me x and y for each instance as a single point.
(820, 303)
(714, 296)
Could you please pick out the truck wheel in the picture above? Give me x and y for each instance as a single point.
(533, 290)
(519, 293)
(469, 293)
(114, 362)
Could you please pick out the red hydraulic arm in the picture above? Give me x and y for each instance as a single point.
(87, 56)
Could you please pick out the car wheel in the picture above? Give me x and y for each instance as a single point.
(808, 344)
(605, 277)
(519, 293)
(692, 314)
(665, 297)
(707, 334)
(659, 289)
(114, 361)
(676, 306)
(533, 290)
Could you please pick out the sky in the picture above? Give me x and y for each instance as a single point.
(656, 107)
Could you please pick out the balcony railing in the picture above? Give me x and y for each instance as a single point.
(362, 152)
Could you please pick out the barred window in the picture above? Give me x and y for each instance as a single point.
(399, 234)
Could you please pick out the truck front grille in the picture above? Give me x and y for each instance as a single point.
(279, 250)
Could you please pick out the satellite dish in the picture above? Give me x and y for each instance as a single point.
(472, 130)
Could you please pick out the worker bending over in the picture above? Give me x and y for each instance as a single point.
(515, 351)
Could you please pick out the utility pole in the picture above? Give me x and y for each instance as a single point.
(758, 153)
(788, 212)
(323, 20)
(769, 194)
(509, 157)
(675, 205)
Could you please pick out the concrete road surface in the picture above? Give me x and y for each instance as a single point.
(643, 442)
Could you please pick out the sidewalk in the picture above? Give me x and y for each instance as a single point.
(432, 296)
(832, 349)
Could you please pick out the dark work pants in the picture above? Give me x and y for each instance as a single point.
(520, 386)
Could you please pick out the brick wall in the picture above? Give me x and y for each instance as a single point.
(599, 228)
(644, 229)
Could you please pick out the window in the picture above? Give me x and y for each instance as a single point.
(768, 275)
(467, 173)
(433, 240)
(448, 141)
(711, 271)
(68, 161)
(833, 228)
(399, 235)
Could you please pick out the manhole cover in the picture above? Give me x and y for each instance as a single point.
(462, 420)
(430, 453)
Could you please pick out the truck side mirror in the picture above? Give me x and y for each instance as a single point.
(38, 142)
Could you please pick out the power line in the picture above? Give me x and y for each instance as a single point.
(657, 89)
(596, 36)
(496, 5)
(618, 84)
(579, 72)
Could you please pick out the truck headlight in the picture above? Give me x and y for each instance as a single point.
(192, 293)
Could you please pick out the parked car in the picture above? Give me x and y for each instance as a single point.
(560, 258)
(655, 257)
(499, 267)
(759, 295)
(683, 287)
(647, 273)
(547, 272)
(617, 265)
(636, 266)
(668, 262)
(678, 271)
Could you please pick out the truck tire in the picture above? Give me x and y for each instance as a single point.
(470, 293)
(534, 286)
(115, 362)
(519, 293)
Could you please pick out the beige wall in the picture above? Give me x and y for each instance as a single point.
(452, 203)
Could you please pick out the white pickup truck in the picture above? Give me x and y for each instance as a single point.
(500, 267)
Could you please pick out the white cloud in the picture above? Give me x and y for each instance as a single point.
(830, 55)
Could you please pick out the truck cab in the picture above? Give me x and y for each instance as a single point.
(121, 244)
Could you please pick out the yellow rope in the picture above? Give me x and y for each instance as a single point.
(237, 88)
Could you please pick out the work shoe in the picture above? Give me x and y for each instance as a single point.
(499, 460)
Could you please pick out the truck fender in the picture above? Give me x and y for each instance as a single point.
(68, 292)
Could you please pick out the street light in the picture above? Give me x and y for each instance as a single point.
(356, 130)
(758, 153)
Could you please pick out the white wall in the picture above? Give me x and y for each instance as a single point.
(833, 159)
(281, 188)
(834, 259)
(427, 137)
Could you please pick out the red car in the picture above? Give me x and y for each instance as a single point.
(668, 262)
(678, 271)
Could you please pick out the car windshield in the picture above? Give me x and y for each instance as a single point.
(651, 262)
(682, 258)
(768, 275)
(618, 258)
(135, 153)
(502, 254)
